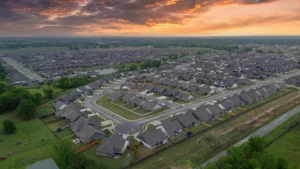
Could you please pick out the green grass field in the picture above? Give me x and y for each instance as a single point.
(106, 103)
(33, 50)
(36, 143)
(287, 146)
(56, 91)
(101, 119)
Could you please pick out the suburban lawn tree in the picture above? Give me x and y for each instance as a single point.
(9, 127)
(48, 93)
(27, 109)
(37, 98)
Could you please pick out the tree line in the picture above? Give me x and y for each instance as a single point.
(68, 160)
(138, 65)
(68, 83)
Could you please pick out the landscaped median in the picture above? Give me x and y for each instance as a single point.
(126, 112)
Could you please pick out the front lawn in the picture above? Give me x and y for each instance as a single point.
(106, 103)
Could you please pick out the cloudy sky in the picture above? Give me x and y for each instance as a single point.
(149, 17)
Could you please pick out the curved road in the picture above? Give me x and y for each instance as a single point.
(131, 127)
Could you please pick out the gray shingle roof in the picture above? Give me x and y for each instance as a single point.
(112, 145)
(152, 137)
(186, 119)
(171, 127)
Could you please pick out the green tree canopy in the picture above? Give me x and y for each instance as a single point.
(48, 93)
(27, 109)
(37, 98)
(9, 127)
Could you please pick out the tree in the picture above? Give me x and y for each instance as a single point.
(37, 98)
(282, 163)
(257, 145)
(133, 67)
(260, 51)
(2, 76)
(48, 93)
(27, 109)
(271, 51)
(268, 161)
(9, 127)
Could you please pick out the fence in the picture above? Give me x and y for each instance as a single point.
(206, 129)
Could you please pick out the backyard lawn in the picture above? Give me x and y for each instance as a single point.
(35, 139)
(111, 163)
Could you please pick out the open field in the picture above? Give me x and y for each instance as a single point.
(199, 148)
(56, 91)
(33, 50)
(36, 143)
(287, 146)
(113, 107)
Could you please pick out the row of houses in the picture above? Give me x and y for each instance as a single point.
(295, 80)
(17, 78)
(251, 66)
(171, 128)
(197, 76)
(88, 130)
(135, 101)
(178, 94)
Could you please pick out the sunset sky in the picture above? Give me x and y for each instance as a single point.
(149, 17)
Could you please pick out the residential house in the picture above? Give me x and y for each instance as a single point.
(128, 97)
(116, 96)
(86, 132)
(186, 120)
(152, 139)
(202, 114)
(151, 106)
(170, 128)
(184, 96)
(113, 146)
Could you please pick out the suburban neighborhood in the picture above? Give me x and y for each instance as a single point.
(123, 116)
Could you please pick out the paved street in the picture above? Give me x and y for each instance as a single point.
(125, 126)
(23, 70)
(260, 132)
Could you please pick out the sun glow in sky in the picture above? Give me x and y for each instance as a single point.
(149, 17)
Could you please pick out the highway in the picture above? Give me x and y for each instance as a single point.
(126, 126)
(20, 68)
(260, 132)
